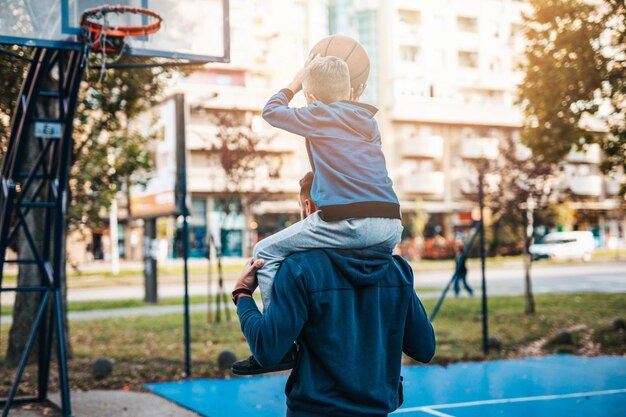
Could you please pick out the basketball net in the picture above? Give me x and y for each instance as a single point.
(104, 38)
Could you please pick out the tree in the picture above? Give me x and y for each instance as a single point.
(614, 88)
(236, 146)
(101, 129)
(524, 183)
(419, 220)
(575, 72)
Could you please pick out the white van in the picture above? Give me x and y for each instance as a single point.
(564, 245)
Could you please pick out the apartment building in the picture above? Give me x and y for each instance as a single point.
(269, 41)
(443, 75)
(444, 78)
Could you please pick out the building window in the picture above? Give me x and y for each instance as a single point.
(409, 53)
(467, 24)
(518, 62)
(440, 22)
(516, 30)
(198, 240)
(468, 59)
(495, 65)
(410, 17)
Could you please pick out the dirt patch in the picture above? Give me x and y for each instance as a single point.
(126, 375)
(600, 339)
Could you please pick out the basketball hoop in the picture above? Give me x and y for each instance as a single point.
(102, 37)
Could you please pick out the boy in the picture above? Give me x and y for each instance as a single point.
(357, 205)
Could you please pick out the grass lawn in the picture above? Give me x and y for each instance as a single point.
(173, 274)
(7, 310)
(147, 349)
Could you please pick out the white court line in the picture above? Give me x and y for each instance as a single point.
(435, 412)
(428, 408)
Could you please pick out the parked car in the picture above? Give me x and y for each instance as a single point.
(564, 245)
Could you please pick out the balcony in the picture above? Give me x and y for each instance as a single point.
(432, 183)
(281, 144)
(422, 147)
(455, 112)
(590, 185)
(480, 148)
(201, 136)
(409, 33)
(468, 184)
(590, 154)
(225, 97)
(467, 41)
(522, 152)
(213, 180)
(614, 184)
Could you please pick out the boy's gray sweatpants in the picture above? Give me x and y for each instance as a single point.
(315, 233)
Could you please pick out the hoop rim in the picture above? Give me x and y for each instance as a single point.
(120, 31)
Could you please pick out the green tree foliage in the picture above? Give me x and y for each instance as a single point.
(574, 68)
(523, 183)
(557, 216)
(564, 69)
(12, 72)
(614, 87)
(107, 154)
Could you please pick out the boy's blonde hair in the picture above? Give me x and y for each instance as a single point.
(328, 79)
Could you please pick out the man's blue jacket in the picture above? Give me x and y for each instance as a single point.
(353, 313)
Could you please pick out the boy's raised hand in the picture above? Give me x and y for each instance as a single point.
(355, 93)
(296, 84)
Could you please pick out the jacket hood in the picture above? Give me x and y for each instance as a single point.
(363, 267)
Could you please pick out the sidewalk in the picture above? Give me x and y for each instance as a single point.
(109, 404)
(105, 266)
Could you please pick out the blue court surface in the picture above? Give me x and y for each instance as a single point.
(552, 386)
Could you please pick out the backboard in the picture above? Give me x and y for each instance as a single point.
(196, 30)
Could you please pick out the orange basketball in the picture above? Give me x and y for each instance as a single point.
(351, 51)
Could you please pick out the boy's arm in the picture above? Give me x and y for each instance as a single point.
(278, 113)
(271, 334)
(299, 121)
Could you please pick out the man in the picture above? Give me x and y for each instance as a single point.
(352, 312)
(461, 277)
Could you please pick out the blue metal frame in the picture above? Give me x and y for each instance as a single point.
(459, 262)
(478, 231)
(181, 191)
(41, 186)
(77, 31)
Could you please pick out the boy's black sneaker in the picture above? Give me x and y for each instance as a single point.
(250, 366)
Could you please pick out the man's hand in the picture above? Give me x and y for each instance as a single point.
(247, 279)
(296, 84)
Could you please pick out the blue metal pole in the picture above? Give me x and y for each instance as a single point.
(457, 267)
(180, 133)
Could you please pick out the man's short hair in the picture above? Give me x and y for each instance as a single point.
(305, 185)
(328, 79)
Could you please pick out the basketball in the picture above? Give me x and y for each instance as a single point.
(351, 51)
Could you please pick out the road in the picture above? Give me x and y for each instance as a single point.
(596, 277)
(563, 278)
(600, 277)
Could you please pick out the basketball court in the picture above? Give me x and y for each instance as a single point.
(552, 386)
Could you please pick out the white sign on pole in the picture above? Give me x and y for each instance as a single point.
(48, 130)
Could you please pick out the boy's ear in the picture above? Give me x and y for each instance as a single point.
(311, 97)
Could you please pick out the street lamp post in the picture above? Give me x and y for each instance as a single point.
(485, 151)
(482, 166)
